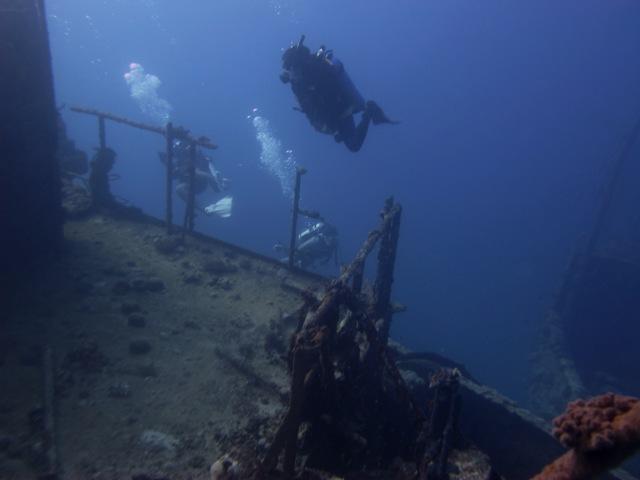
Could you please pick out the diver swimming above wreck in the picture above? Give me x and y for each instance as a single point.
(327, 96)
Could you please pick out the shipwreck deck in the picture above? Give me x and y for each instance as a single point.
(166, 355)
(162, 351)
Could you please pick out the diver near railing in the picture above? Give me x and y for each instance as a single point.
(316, 244)
(183, 162)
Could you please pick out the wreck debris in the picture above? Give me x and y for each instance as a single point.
(601, 432)
(384, 279)
(349, 407)
(441, 429)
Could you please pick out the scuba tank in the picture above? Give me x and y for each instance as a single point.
(351, 94)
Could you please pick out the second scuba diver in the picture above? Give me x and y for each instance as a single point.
(206, 176)
(315, 245)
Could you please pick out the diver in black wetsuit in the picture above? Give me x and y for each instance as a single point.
(327, 96)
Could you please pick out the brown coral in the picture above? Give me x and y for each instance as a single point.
(601, 433)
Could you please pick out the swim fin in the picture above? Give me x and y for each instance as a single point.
(221, 208)
(377, 115)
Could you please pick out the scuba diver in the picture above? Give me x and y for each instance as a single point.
(316, 244)
(206, 175)
(327, 96)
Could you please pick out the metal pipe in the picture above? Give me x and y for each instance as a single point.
(191, 204)
(294, 216)
(357, 265)
(182, 135)
(169, 179)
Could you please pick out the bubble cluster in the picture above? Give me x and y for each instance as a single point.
(279, 162)
(286, 8)
(144, 90)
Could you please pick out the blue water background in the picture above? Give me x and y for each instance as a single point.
(511, 113)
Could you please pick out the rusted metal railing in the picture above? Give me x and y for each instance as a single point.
(171, 134)
(168, 219)
(294, 215)
(189, 212)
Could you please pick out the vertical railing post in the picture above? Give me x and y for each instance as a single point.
(187, 224)
(102, 133)
(169, 179)
(192, 184)
(294, 215)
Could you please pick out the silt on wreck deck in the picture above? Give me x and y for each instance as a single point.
(163, 351)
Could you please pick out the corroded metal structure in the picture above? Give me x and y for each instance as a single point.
(342, 372)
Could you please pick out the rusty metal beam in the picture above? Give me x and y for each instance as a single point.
(169, 179)
(294, 216)
(190, 208)
(312, 347)
(179, 134)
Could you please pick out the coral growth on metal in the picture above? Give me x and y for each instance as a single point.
(596, 424)
(601, 432)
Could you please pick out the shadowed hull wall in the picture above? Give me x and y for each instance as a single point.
(30, 212)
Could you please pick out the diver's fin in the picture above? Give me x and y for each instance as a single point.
(377, 115)
(221, 208)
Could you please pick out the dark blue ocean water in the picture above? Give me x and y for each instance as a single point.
(511, 113)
